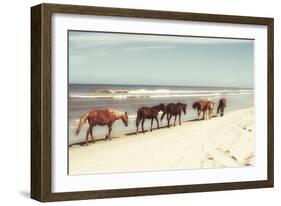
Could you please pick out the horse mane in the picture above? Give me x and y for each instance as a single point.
(159, 105)
(116, 113)
(179, 103)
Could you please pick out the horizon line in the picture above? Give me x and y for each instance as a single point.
(161, 85)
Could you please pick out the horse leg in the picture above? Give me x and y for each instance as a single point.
(180, 119)
(109, 132)
(142, 125)
(91, 133)
(175, 120)
(222, 112)
(151, 124)
(168, 118)
(157, 122)
(137, 128)
(87, 135)
(203, 115)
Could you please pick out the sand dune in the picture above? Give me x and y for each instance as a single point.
(220, 142)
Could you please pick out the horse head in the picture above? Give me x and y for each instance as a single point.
(184, 108)
(125, 119)
(198, 105)
(162, 107)
(195, 105)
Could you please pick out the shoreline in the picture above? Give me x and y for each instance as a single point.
(216, 143)
(133, 132)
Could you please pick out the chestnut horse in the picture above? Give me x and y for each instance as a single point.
(210, 108)
(174, 110)
(222, 105)
(101, 118)
(148, 113)
(204, 106)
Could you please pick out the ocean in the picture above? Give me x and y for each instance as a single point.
(84, 97)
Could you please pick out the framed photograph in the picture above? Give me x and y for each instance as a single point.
(130, 102)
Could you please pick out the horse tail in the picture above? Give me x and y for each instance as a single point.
(194, 105)
(82, 121)
(138, 118)
(218, 110)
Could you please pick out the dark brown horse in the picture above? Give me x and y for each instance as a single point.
(101, 118)
(204, 106)
(222, 105)
(174, 110)
(148, 113)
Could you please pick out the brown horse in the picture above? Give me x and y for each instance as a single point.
(148, 113)
(204, 106)
(174, 110)
(200, 105)
(209, 108)
(222, 105)
(101, 118)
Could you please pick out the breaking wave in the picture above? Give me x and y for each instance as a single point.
(157, 93)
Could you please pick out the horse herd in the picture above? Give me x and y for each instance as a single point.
(109, 116)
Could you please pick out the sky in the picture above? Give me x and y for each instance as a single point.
(114, 58)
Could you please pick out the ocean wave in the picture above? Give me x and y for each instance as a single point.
(163, 91)
(157, 93)
(109, 91)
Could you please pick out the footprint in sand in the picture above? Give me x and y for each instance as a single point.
(248, 160)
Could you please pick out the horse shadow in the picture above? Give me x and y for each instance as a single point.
(166, 126)
(96, 140)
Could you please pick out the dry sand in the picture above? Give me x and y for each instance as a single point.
(219, 142)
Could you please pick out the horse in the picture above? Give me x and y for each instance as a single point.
(210, 108)
(174, 110)
(200, 105)
(101, 118)
(222, 105)
(148, 113)
(204, 106)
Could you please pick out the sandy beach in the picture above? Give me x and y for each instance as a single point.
(226, 141)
